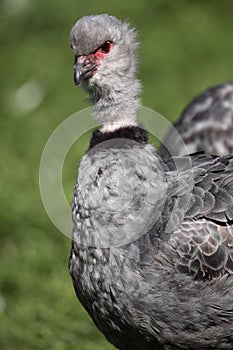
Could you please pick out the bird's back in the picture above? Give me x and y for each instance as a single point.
(206, 124)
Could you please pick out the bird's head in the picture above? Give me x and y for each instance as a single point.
(104, 49)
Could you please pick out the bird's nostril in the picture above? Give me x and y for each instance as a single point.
(86, 64)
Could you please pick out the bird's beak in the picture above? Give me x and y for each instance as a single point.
(84, 68)
(77, 74)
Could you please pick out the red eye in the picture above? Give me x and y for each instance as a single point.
(105, 48)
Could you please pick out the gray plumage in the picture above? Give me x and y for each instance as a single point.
(206, 124)
(152, 248)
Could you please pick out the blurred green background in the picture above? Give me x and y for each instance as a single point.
(186, 46)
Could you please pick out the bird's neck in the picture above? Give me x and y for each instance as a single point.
(135, 133)
(115, 102)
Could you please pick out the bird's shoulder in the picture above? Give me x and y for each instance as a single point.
(119, 192)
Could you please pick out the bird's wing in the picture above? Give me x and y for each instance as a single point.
(204, 249)
(204, 240)
(213, 189)
(206, 124)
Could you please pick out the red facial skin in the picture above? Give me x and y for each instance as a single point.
(97, 56)
(103, 51)
(87, 65)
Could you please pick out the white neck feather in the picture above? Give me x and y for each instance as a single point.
(116, 102)
(110, 127)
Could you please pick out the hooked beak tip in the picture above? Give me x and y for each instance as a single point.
(77, 78)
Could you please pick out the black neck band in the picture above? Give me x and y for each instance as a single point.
(129, 132)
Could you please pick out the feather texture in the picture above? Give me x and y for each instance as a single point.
(206, 124)
(152, 245)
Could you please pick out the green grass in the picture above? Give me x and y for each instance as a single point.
(186, 46)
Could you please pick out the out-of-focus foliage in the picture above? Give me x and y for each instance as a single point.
(186, 46)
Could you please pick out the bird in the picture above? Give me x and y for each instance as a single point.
(206, 124)
(151, 256)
